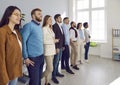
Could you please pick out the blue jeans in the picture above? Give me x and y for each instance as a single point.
(56, 60)
(13, 82)
(65, 58)
(35, 72)
(86, 50)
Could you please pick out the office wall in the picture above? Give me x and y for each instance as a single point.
(64, 7)
(48, 6)
(113, 20)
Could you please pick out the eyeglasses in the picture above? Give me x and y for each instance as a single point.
(16, 14)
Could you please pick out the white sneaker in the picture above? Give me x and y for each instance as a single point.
(86, 61)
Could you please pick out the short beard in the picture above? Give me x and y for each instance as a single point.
(38, 19)
(74, 26)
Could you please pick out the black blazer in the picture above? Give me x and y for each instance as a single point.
(58, 35)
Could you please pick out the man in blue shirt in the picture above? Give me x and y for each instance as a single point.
(66, 52)
(33, 47)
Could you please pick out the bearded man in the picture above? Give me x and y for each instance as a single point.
(33, 47)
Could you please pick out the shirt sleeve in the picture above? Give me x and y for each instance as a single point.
(25, 32)
(3, 72)
(56, 35)
(85, 34)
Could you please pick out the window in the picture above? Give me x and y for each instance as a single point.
(85, 16)
(98, 3)
(82, 4)
(93, 12)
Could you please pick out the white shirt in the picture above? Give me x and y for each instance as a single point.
(60, 27)
(87, 35)
(72, 35)
(18, 40)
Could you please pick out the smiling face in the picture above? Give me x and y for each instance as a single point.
(15, 17)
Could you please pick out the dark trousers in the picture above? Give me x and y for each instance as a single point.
(86, 50)
(56, 60)
(65, 58)
(35, 71)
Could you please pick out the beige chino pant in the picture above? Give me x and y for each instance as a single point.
(74, 52)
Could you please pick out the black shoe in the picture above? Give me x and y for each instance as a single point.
(75, 67)
(47, 84)
(71, 65)
(59, 75)
(70, 71)
(55, 80)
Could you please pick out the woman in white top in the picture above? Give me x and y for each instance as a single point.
(49, 47)
(87, 40)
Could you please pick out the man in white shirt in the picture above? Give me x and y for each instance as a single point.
(74, 45)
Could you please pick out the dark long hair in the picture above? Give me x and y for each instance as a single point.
(45, 20)
(8, 12)
(78, 25)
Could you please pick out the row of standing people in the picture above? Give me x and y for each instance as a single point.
(63, 37)
(36, 43)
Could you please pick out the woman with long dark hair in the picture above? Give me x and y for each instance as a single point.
(10, 47)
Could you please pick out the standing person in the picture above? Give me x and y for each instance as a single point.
(87, 40)
(33, 47)
(59, 47)
(10, 47)
(80, 42)
(66, 51)
(49, 47)
(74, 45)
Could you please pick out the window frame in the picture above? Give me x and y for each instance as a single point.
(90, 9)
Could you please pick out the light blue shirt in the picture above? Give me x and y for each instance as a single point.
(81, 34)
(32, 38)
(66, 33)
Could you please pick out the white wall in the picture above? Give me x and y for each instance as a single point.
(50, 7)
(64, 7)
(113, 20)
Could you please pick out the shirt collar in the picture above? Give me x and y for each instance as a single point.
(35, 22)
(9, 30)
(58, 23)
